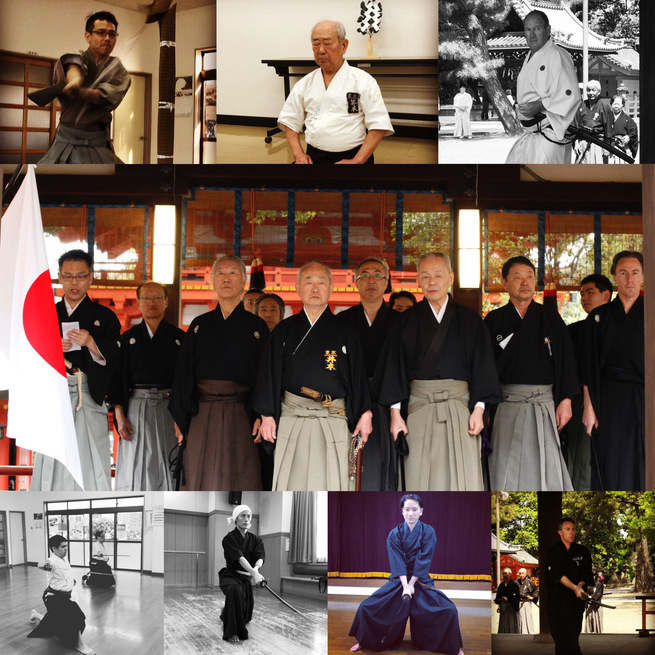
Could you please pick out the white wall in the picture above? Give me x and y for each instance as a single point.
(251, 30)
(50, 28)
(195, 28)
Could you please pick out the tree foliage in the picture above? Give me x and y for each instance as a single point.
(518, 520)
(618, 19)
(618, 528)
(464, 26)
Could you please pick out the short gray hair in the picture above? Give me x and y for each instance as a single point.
(377, 260)
(593, 83)
(229, 258)
(341, 30)
(440, 255)
(304, 267)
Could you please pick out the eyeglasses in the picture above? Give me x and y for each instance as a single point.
(67, 277)
(103, 33)
(368, 276)
(151, 298)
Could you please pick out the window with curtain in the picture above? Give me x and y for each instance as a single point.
(308, 533)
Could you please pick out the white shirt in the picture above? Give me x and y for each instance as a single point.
(463, 102)
(61, 576)
(99, 551)
(336, 119)
(97, 359)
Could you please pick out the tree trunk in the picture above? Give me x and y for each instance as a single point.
(644, 579)
(491, 83)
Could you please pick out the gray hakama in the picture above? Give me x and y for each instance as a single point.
(92, 430)
(525, 618)
(443, 456)
(593, 619)
(527, 454)
(220, 452)
(71, 146)
(142, 463)
(83, 134)
(508, 622)
(311, 452)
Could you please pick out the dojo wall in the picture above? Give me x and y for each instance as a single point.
(251, 30)
(274, 530)
(198, 521)
(35, 531)
(49, 29)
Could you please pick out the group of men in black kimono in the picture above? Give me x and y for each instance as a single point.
(514, 599)
(323, 385)
(133, 370)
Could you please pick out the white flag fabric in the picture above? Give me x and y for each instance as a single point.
(32, 367)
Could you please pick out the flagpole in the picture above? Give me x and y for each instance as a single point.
(9, 187)
(585, 47)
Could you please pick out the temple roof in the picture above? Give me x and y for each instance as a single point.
(516, 552)
(566, 29)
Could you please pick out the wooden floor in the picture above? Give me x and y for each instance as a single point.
(126, 620)
(238, 144)
(474, 622)
(192, 625)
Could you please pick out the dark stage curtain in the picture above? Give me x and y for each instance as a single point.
(360, 522)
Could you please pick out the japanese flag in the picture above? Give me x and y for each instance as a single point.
(32, 367)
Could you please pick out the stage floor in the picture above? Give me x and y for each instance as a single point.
(474, 623)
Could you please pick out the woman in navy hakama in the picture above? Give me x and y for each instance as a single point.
(380, 620)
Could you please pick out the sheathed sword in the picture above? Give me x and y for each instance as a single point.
(587, 135)
(580, 132)
(592, 601)
(406, 598)
(356, 445)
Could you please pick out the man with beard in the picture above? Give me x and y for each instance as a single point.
(89, 86)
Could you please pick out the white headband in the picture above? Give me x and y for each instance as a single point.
(237, 510)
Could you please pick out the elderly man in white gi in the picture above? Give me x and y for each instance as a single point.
(548, 98)
(340, 106)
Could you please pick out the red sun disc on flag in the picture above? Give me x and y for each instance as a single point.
(40, 321)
